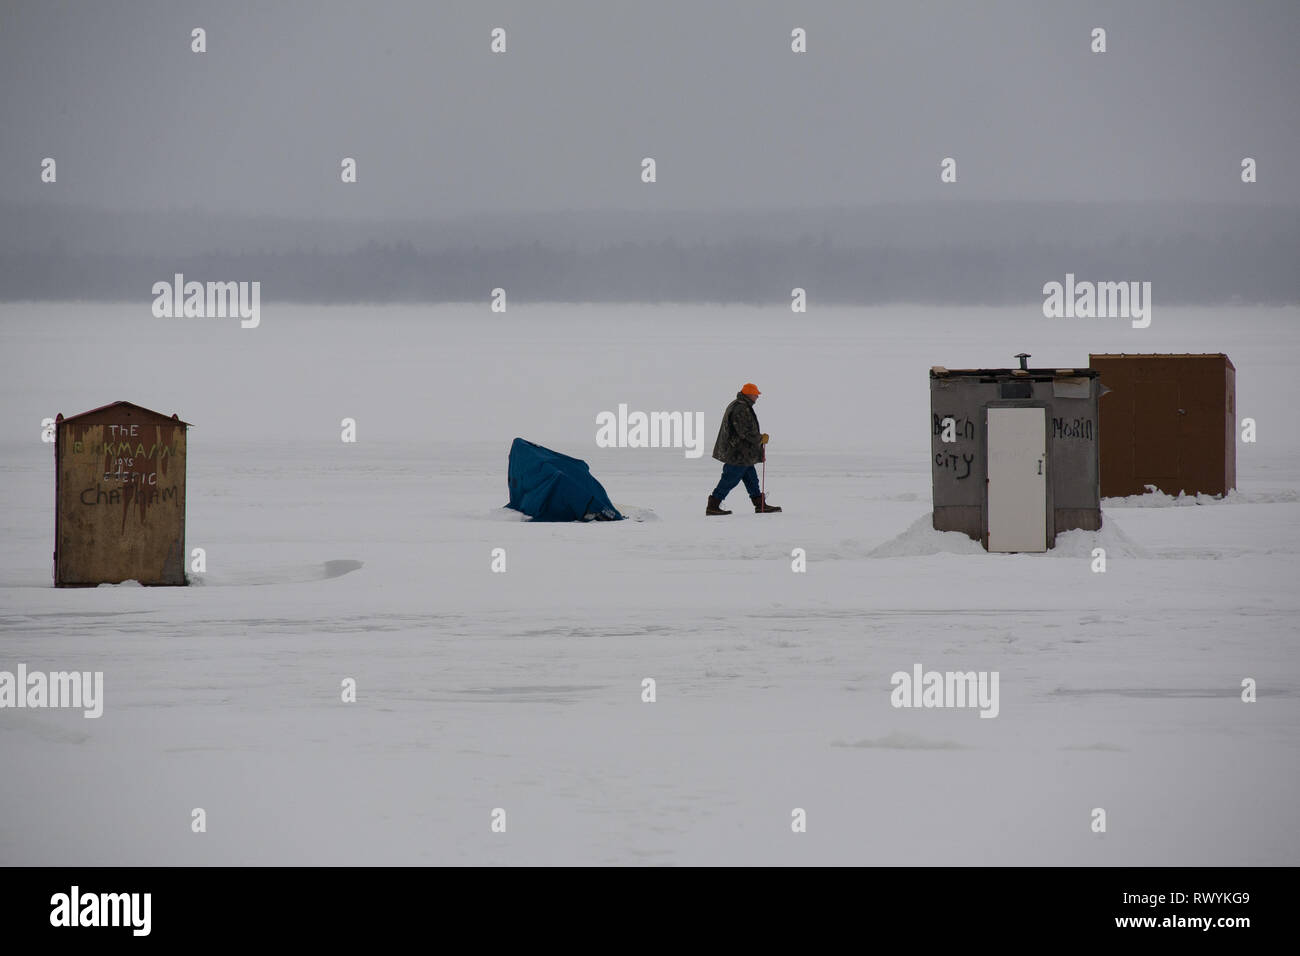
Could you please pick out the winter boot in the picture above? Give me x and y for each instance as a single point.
(715, 507)
(761, 506)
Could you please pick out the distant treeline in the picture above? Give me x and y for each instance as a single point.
(972, 254)
(1186, 271)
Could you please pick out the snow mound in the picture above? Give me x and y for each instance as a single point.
(338, 568)
(921, 539)
(276, 574)
(1154, 498)
(1080, 544)
(128, 583)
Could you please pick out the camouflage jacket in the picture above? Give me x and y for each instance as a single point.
(739, 436)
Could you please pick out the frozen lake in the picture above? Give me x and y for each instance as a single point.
(522, 690)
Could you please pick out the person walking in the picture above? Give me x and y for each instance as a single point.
(740, 446)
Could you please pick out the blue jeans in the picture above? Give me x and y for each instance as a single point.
(732, 475)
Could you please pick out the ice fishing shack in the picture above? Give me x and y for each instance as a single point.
(1171, 423)
(1014, 458)
(119, 511)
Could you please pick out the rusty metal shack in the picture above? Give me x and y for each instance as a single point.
(1169, 421)
(119, 511)
(1014, 453)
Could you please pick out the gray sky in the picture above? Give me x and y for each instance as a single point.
(441, 126)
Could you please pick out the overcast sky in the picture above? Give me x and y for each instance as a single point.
(439, 125)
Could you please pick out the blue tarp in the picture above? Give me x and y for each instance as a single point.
(552, 487)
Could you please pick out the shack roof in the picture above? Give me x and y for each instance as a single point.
(1180, 356)
(127, 410)
(1014, 374)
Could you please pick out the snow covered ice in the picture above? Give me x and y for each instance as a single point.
(522, 690)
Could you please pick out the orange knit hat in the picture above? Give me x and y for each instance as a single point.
(749, 388)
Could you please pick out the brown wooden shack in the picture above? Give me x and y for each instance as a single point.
(119, 511)
(1167, 421)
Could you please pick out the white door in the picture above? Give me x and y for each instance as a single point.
(1017, 479)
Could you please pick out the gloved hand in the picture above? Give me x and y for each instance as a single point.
(762, 439)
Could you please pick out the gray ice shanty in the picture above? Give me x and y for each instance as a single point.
(1014, 453)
